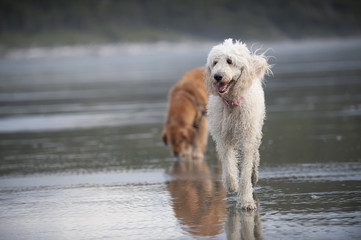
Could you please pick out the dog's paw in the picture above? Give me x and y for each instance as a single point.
(232, 189)
(231, 185)
(197, 155)
(248, 205)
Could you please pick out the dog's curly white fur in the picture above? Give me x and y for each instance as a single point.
(234, 75)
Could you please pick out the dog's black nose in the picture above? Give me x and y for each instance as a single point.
(218, 76)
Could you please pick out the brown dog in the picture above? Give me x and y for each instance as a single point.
(186, 126)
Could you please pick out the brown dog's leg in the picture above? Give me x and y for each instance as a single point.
(201, 140)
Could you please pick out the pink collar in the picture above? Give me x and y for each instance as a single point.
(230, 103)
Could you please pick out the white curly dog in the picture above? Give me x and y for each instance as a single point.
(236, 111)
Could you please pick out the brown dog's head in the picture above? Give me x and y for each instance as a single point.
(180, 137)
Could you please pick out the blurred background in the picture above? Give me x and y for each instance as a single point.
(83, 98)
(49, 23)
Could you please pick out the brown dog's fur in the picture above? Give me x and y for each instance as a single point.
(187, 99)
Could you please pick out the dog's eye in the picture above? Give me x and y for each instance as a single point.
(229, 61)
(214, 63)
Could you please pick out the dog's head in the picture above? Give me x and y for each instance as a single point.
(232, 67)
(180, 137)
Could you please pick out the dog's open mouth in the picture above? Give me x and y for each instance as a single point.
(223, 87)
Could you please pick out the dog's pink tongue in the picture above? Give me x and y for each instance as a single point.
(221, 86)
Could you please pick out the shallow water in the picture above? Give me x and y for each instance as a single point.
(82, 158)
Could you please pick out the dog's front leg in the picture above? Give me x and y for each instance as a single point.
(245, 198)
(200, 143)
(229, 168)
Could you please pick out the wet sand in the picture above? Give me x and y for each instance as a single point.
(82, 158)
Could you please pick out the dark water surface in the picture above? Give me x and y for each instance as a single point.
(81, 155)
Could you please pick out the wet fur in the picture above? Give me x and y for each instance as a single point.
(237, 130)
(178, 130)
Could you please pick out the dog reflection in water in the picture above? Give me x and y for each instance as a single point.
(200, 204)
(243, 225)
(198, 197)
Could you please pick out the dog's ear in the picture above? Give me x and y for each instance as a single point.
(207, 73)
(208, 80)
(247, 76)
(164, 136)
(260, 65)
